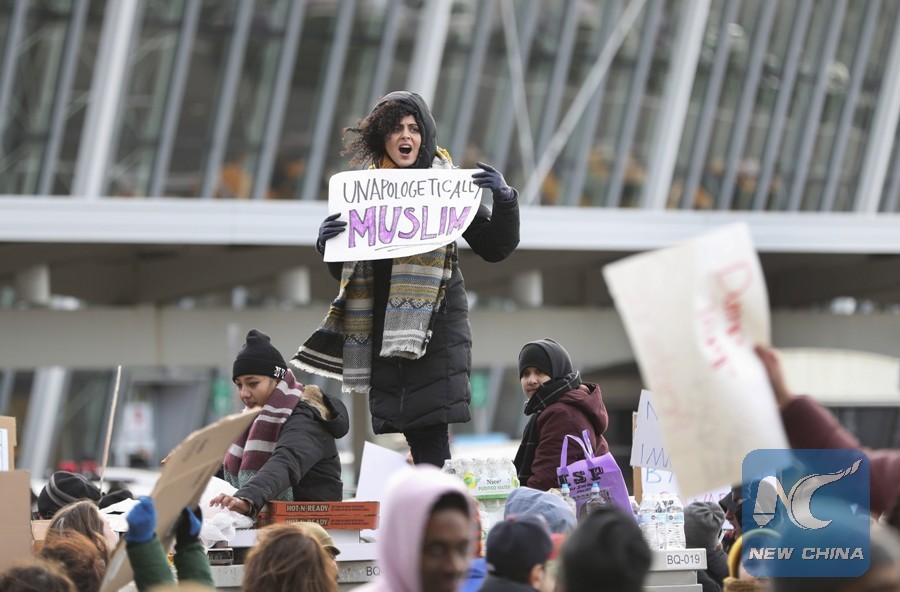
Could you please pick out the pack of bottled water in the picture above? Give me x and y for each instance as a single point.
(661, 520)
(489, 481)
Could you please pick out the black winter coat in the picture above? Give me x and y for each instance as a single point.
(305, 458)
(434, 390)
(494, 583)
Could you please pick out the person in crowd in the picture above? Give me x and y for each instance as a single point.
(809, 425)
(289, 451)
(477, 564)
(883, 574)
(552, 567)
(399, 328)
(739, 579)
(64, 488)
(426, 534)
(702, 528)
(525, 500)
(148, 558)
(558, 404)
(605, 553)
(733, 505)
(286, 558)
(84, 517)
(36, 575)
(320, 534)
(518, 549)
(80, 558)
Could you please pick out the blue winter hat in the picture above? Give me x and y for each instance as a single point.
(525, 500)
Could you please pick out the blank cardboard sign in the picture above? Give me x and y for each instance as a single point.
(182, 481)
(15, 516)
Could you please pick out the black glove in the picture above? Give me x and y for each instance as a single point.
(493, 179)
(188, 528)
(330, 228)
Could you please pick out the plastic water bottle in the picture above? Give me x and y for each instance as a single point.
(593, 503)
(675, 524)
(450, 467)
(567, 497)
(634, 506)
(648, 521)
(513, 474)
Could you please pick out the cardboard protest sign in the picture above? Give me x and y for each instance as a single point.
(15, 515)
(647, 448)
(399, 212)
(693, 313)
(184, 477)
(7, 443)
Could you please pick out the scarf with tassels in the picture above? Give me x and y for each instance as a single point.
(341, 347)
(251, 451)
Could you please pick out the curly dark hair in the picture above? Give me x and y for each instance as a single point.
(366, 140)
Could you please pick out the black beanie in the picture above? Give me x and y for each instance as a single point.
(65, 488)
(547, 356)
(607, 547)
(259, 356)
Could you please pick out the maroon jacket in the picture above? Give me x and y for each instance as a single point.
(809, 425)
(578, 410)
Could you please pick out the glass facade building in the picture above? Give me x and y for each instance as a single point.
(722, 104)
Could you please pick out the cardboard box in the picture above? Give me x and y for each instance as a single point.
(330, 515)
(15, 516)
(7, 443)
(39, 530)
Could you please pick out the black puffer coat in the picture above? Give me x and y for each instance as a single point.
(305, 458)
(409, 394)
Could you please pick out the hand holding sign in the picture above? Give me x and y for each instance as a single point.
(330, 228)
(389, 213)
(693, 313)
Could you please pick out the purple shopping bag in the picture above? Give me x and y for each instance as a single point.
(581, 474)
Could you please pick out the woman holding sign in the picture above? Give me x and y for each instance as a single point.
(416, 373)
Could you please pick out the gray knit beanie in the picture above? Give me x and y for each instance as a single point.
(703, 525)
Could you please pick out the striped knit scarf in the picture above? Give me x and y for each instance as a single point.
(341, 347)
(251, 451)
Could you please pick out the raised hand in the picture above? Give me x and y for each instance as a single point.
(491, 178)
(141, 521)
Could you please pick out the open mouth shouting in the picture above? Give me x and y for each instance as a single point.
(402, 144)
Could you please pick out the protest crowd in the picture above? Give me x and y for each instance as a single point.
(399, 332)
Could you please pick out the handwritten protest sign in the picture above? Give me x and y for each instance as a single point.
(183, 479)
(647, 448)
(661, 482)
(399, 212)
(693, 313)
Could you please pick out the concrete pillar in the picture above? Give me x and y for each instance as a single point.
(44, 410)
(528, 288)
(429, 50)
(294, 286)
(33, 285)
